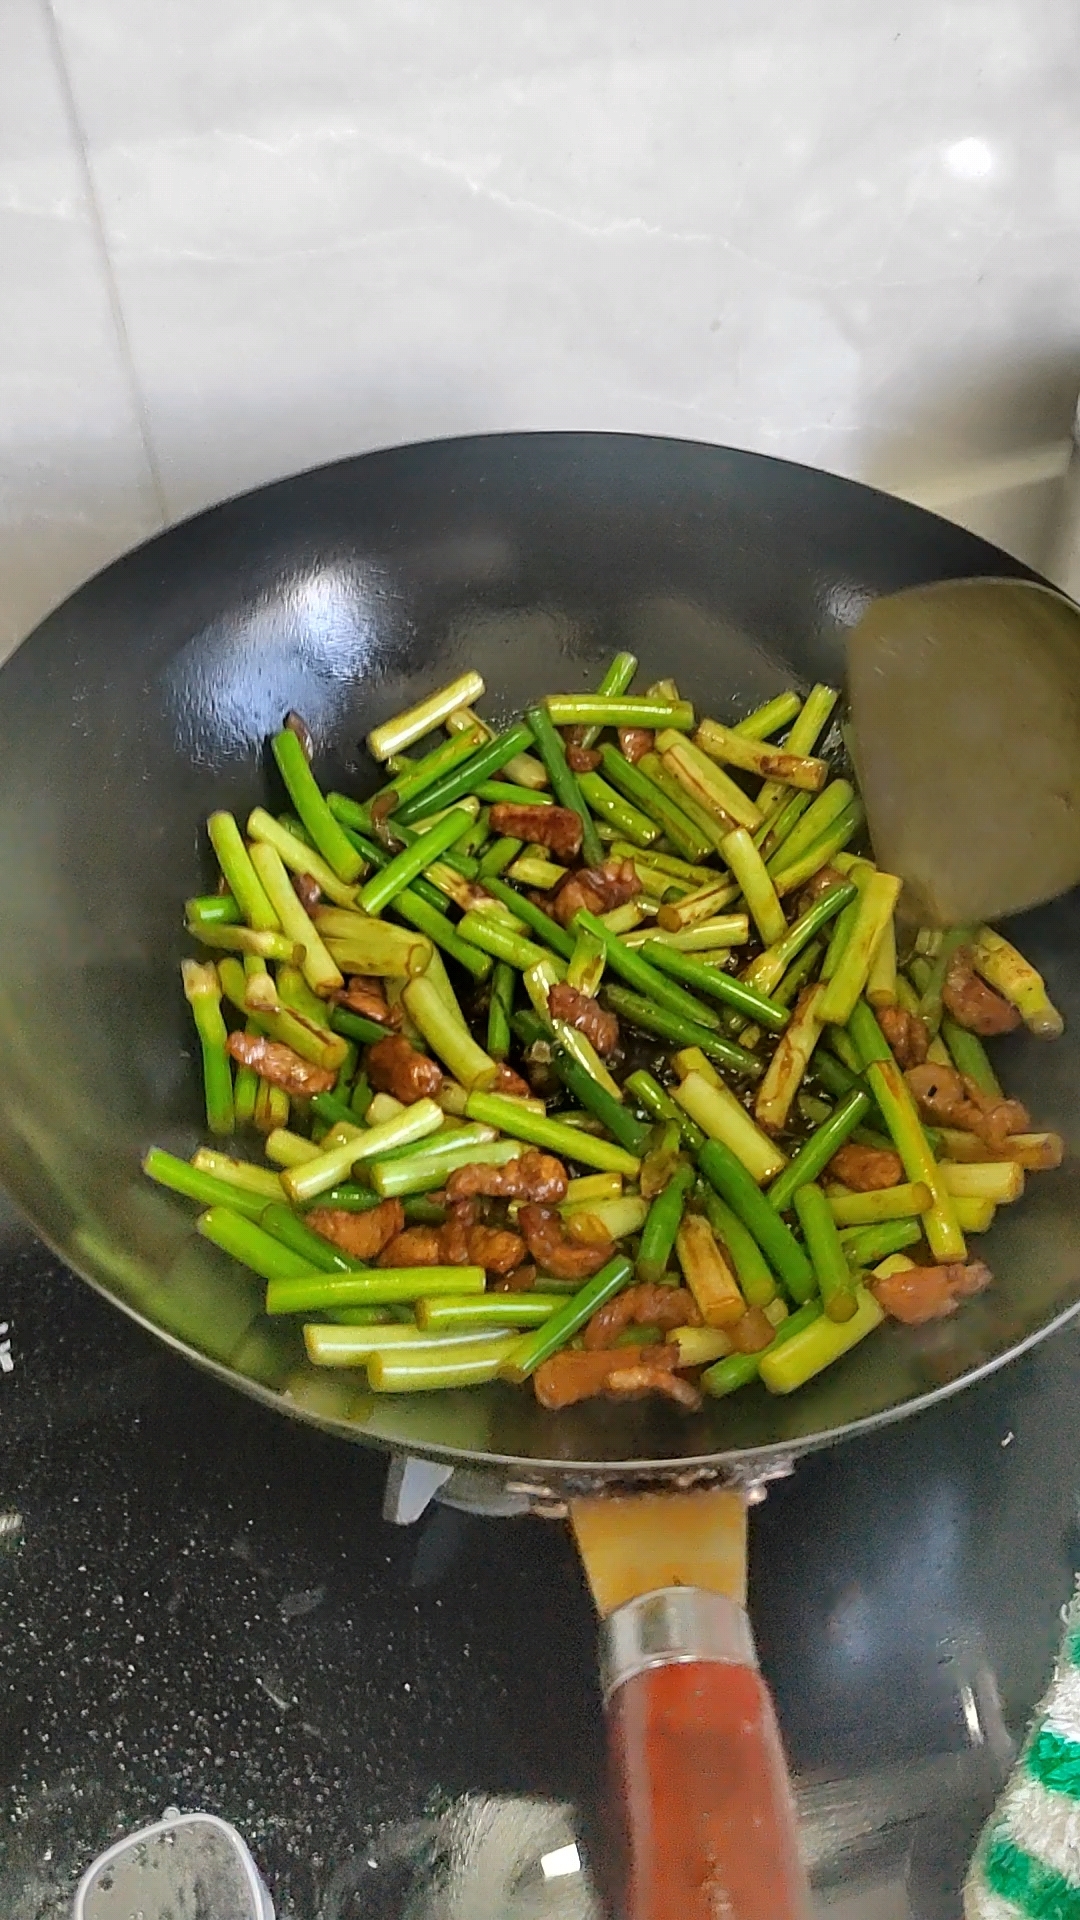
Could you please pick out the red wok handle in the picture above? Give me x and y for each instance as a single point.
(706, 1808)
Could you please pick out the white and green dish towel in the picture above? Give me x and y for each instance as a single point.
(1027, 1863)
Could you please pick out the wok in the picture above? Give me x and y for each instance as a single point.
(146, 699)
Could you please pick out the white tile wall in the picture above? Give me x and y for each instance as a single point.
(75, 479)
(238, 237)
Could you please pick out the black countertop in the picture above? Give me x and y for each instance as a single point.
(201, 1606)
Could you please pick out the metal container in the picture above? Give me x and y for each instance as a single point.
(187, 1866)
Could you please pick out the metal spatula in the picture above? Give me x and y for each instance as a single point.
(965, 708)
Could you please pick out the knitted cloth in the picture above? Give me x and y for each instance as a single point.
(1027, 1864)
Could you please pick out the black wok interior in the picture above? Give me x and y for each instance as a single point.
(347, 593)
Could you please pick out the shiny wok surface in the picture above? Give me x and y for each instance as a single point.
(347, 593)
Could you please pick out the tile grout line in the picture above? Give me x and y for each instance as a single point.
(101, 243)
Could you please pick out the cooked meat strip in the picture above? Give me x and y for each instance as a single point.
(296, 723)
(753, 1333)
(580, 1011)
(579, 757)
(628, 1382)
(460, 1242)
(972, 1003)
(553, 1252)
(363, 1235)
(366, 996)
(999, 1117)
(454, 1235)
(866, 1169)
(907, 1034)
(497, 1249)
(556, 827)
(643, 1305)
(919, 1294)
(396, 1067)
(416, 1247)
(820, 883)
(274, 1061)
(535, 1176)
(636, 742)
(381, 809)
(952, 1099)
(307, 891)
(576, 1375)
(519, 1281)
(507, 1081)
(598, 889)
(938, 1090)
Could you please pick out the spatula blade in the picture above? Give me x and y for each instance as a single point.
(965, 708)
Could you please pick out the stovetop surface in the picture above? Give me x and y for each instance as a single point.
(201, 1606)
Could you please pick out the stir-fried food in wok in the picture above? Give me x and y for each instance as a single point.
(582, 1053)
